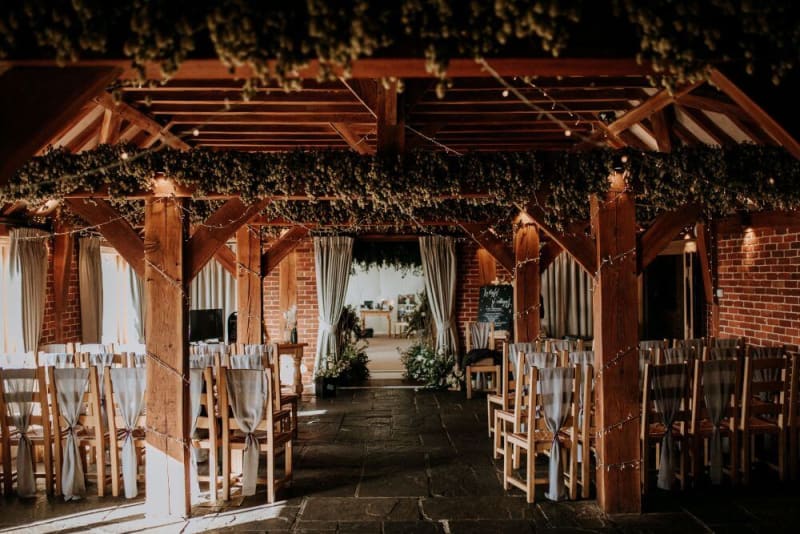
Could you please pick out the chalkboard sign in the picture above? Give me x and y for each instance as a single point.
(496, 305)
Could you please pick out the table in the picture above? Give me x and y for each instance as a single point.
(295, 350)
(379, 313)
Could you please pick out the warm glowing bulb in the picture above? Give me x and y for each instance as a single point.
(195, 132)
(771, 181)
(124, 155)
(624, 159)
(505, 92)
(568, 133)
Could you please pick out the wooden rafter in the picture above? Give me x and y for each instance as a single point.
(664, 230)
(226, 257)
(579, 246)
(356, 143)
(281, 247)
(662, 129)
(548, 254)
(114, 228)
(391, 120)
(37, 103)
(110, 128)
(141, 120)
(217, 230)
(481, 233)
(754, 111)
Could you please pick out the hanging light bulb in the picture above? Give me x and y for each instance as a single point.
(195, 132)
(505, 93)
(124, 155)
(568, 132)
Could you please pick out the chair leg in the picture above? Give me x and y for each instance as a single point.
(530, 479)
(782, 455)
(506, 463)
(271, 473)
(497, 440)
(734, 438)
(645, 465)
(585, 470)
(489, 420)
(57, 462)
(226, 471)
(101, 468)
(573, 474)
(469, 382)
(114, 470)
(294, 418)
(48, 468)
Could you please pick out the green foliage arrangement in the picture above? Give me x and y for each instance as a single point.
(355, 354)
(404, 256)
(722, 180)
(678, 38)
(420, 322)
(424, 364)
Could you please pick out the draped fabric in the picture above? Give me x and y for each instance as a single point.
(70, 386)
(200, 361)
(333, 257)
(480, 333)
(246, 361)
(651, 344)
(11, 340)
(20, 388)
(719, 379)
(90, 272)
(28, 264)
(56, 359)
(723, 353)
(129, 388)
(557, 386)
(567, 294)
(676, 355)
(439, 264)
(137, 303)
(768, 374)
(248, 394)
(695, 345)
(726, 342)
(197, 365)
(513, 351)
(669, 384)
(214, 288)
(585, 360)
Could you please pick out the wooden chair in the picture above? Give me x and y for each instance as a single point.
(132, 354)
(727, 343)
(715, 405)
(794, 416)
(696, 345)
(206, 428)
(504, 399)
(586, 426)
(55, 359)
(67, 348)
(285, 398)
(542, 432)
(125, 390)
(510, 419)
(481, 336)
(89, 429)
(23, 402)
(764, 409)
(665, 418)
(269, 440)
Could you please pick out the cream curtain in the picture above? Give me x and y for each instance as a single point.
(567, 293)
(90, 281)
(10, 303)
(137, 303)
(214, 288)
(28, 261)
(333, 257)
(439, 263)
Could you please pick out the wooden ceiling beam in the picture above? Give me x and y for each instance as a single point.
(37, 103)
(114, 228)
(663, 231)
(217, 229)
(186, 96)
(644, 110)
(227, 258)
(579, 246)
(281, 247)
(390, 120)
(756, 113)
(548, 254)
(705, 123)
(219, 108)
(142, 121)
(483, 235)
(662, 129)
(201, 120)
(110, 128)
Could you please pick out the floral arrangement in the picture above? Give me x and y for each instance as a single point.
(424, 364)
(331, 367)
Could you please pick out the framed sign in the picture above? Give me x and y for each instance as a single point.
(496, 305)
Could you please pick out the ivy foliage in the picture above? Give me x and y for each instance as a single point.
(678, 38)
(404, 255)
(425, 185)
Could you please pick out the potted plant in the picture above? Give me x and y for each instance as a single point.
(327, 376)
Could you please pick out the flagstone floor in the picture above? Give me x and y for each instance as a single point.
(406, 461)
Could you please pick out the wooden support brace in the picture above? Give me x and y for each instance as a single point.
(481, 233)
(664, 229)
(281, 247)
(527, 283)
(616, 355)
(249, 287)
(487, 267)
(227, 259)
(576, 245)
(548, 254)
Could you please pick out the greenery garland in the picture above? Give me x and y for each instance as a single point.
(426, 185)
(404, 256)
(679, 38)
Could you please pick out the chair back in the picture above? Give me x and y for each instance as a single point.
(541, 360)
(665, 396)
(653, 344)
(721, 353)
(133, 354)
(55, 359)
(776, 351)
(561, 345)
(480, 335)
(727, 342)
(695, 345)
(715, 392)
(246, 361)
(57, 348)
(125, 401)
(765, 392)
(675, 355)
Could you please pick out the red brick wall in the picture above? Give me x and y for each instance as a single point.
(307, 312)
(759, 274)
(71, 319)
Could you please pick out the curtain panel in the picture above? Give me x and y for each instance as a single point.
(567, 293)
(439, 263)
(28, 265)
(333, 258)
(136, 288)
(90, 283)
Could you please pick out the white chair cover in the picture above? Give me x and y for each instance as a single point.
(719, 378)
(771, 374)
(20, 387)
(513, 351)
(56, 359)
(557, 345)
(139, 360)
(246, 361)
(200, 361)
(541, 360)
(557, 386)
(669, 385)
(480, 333)
(93, 348)
(70, 385)
(196, 382)
(101, 360)
(53, 347)
(129, 388)
(247, 394)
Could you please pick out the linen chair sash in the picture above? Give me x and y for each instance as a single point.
(479, 333)
(247, 394)
(20, 387)
(651, 344)
(669, 386)
(557, 387)
(726, 342)
(196, 380)
(584, 359)
(695, 344)
(719, 379)
(770, 374)
(246, 361)
(513, 351)
(101, 360)
(677, 355)
(139, 359)
(71, 385)
(723, 353)
(56, 359)
(129, 389)
(200, 361)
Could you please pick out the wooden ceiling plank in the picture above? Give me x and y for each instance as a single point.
(40, 102)
(708, 126)
(114, 228)
(756, 113)
(134, 116)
